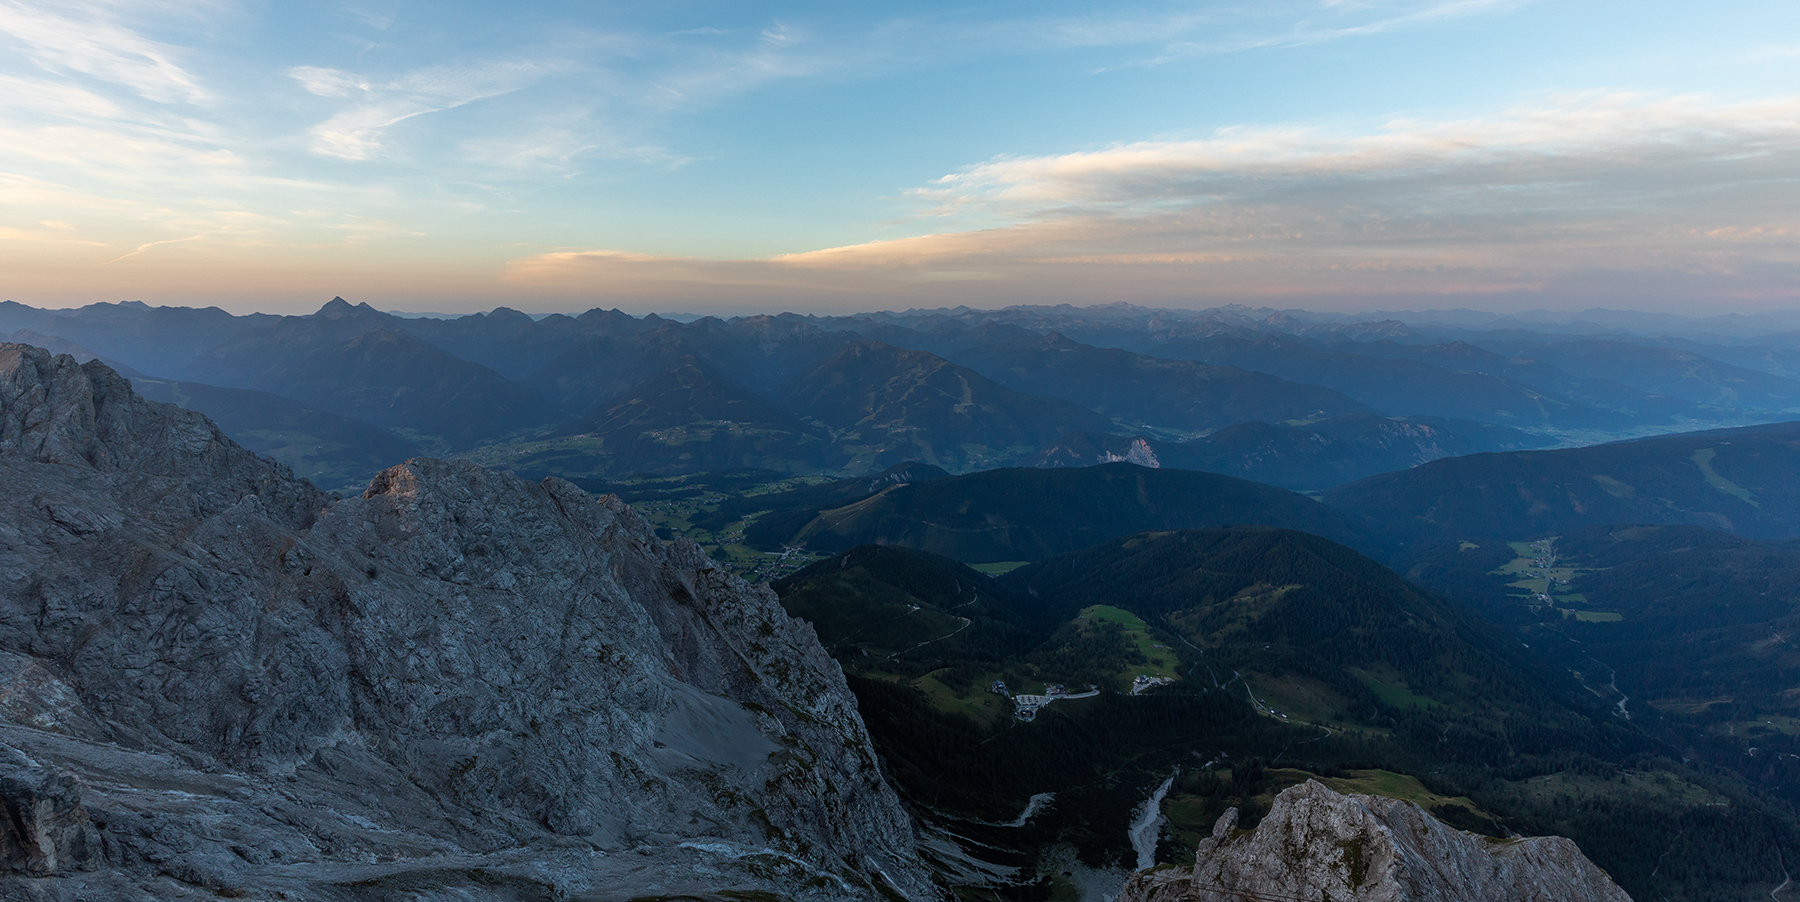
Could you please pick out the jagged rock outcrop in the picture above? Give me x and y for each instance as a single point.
(215, 679)
(44, 829)
(1319, 844)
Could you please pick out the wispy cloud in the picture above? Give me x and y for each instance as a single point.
(1339, 21)
(1512, 201)
(355, 133)
(93, 38)
(1594, 138)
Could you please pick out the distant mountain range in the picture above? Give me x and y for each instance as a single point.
(1292, 400)
(1181, 395)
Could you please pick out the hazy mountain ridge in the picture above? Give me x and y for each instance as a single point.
(889, 405)
(506, 381)
(684, 420)
(354, 362)
(1738, 480)
(156, 340)
(1665, 371)
(335, 452)
(1182, 395)
(1318, 455)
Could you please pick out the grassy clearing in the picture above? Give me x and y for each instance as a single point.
(1703, 458)
(979, 704)
(1553, 581)
(1596, 616)
(1163, 660)
(1625, 785)
(1387, 685)
(1301, 698)
(1688, 707)
(1761, 726)
(997, 568)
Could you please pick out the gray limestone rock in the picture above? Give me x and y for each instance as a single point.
(1319, 844)
(215, 679)
(44, 829)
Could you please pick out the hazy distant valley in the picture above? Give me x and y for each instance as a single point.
(1538, 577)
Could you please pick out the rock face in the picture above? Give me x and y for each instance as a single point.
(215, 679)
(44, 829)
(1319, 844)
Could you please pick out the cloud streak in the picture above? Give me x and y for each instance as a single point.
(1509, 202)
(91, 38)
(355, 133)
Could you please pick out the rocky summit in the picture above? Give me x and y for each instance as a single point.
(217, 680)
(1319, 844)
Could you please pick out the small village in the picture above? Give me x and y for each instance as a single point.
(1026, 707)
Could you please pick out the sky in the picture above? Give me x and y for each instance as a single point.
(724, 157)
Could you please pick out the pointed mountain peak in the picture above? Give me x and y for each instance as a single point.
(338, 308)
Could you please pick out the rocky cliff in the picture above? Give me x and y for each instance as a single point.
(216, 680)
(1318, 844)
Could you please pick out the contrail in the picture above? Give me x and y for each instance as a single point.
(144, 247)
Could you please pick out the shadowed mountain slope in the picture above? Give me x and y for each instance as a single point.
(514, 344)
(1738, 480)
(159, 340)
(887, 601)
(762, 353)
(890, 405)
(1601, 393)
(775, 517)
(1134, 388)
(336, 453)
(352, 361)
(1029, 514)
(685, 420)
(1315, 456)
(1666, 371)
(1275, 600)
(1400, 387)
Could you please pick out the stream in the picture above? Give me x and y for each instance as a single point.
(1145, 827)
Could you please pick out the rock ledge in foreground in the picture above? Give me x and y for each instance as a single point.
(1319, 844)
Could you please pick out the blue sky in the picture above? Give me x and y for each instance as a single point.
(729, 157)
